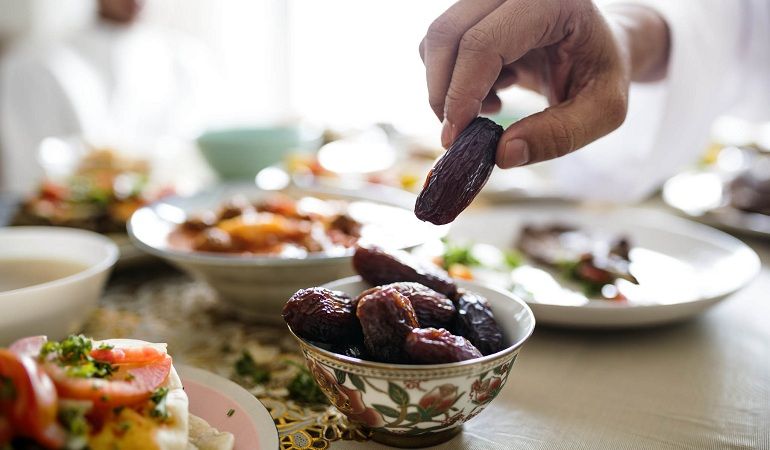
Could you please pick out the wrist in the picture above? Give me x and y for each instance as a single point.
(644, 40)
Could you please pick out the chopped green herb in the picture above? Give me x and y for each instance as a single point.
(303, 387)
(458, 254)
(230, 412)
(105, 346)
(246, 367)
(158, 397)
(124, 426)
(7, 389)
(74, 353)
(74, 420)
(513, 258)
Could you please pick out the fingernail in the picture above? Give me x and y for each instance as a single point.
(516, 153)
(448, 133)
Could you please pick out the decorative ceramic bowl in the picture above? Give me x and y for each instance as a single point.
(242, 152)
(257, 286)
(58, 307)
(420, 405)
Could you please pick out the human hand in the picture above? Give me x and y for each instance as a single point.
(567, 50)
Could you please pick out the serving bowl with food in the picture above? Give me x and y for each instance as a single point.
(405, 350)
(256, 247)
(50, 279)
(599, 268)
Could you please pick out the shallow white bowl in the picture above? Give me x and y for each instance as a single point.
(59, 307)
(258, 286)
(420, 405)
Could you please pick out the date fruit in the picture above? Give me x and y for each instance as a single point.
(438, 346)
(377, 267)
(476, 322)
(386, 319)
(433, 309)
(319, 314)
(460, 173)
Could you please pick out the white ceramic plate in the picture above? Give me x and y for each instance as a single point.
(212, 397)
(683, 267)
(701, 195)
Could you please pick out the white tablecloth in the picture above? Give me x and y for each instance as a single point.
(702, 384)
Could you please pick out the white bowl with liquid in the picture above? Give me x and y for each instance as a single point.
(51, 279)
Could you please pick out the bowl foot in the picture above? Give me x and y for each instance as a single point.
(419, 441)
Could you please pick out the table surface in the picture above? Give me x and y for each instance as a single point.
(701, 384)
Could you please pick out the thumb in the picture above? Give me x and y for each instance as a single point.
(562, 129)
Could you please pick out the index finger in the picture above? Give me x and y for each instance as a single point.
(439, 47)
(502, 37)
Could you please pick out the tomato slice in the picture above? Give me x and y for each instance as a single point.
(128, 355)
(32, 404)
(131, 384)
(6, 432)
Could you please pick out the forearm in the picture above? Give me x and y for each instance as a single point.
(645, 37)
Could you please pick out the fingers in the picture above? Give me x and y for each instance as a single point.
(500, 38)
(439, 47)
(492, 104)
(561, 129)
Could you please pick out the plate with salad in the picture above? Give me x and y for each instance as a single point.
(598, 268)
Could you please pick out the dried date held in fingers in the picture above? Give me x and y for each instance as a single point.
(319, 314)
(377, 267)
(433, 309)
(386, 318)
(438, 346)
(476, 322)
(460, 173)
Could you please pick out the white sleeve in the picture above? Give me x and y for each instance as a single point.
(668, 123)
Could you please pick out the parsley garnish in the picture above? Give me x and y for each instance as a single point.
(303, 387)
(159, 410)
(74, 353)
(74, 420)
(458, 254)
(246, 367)
(7, 389)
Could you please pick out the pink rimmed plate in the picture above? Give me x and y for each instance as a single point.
(212, 397)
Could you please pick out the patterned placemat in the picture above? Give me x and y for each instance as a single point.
(200, 331)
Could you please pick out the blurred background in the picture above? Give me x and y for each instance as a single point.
(222, 89)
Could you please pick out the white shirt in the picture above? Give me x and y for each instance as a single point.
(719, 64)
(109, 82)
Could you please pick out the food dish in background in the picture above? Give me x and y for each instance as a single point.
(80, 393)
(259, 284)
(95, 188)
(65, 271)
(681, 268)
(276, 225)
(729, 190)
(100, 195)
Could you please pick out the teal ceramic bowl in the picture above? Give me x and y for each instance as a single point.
(239, 153)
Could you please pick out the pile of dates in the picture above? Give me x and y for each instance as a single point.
(416, 314)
